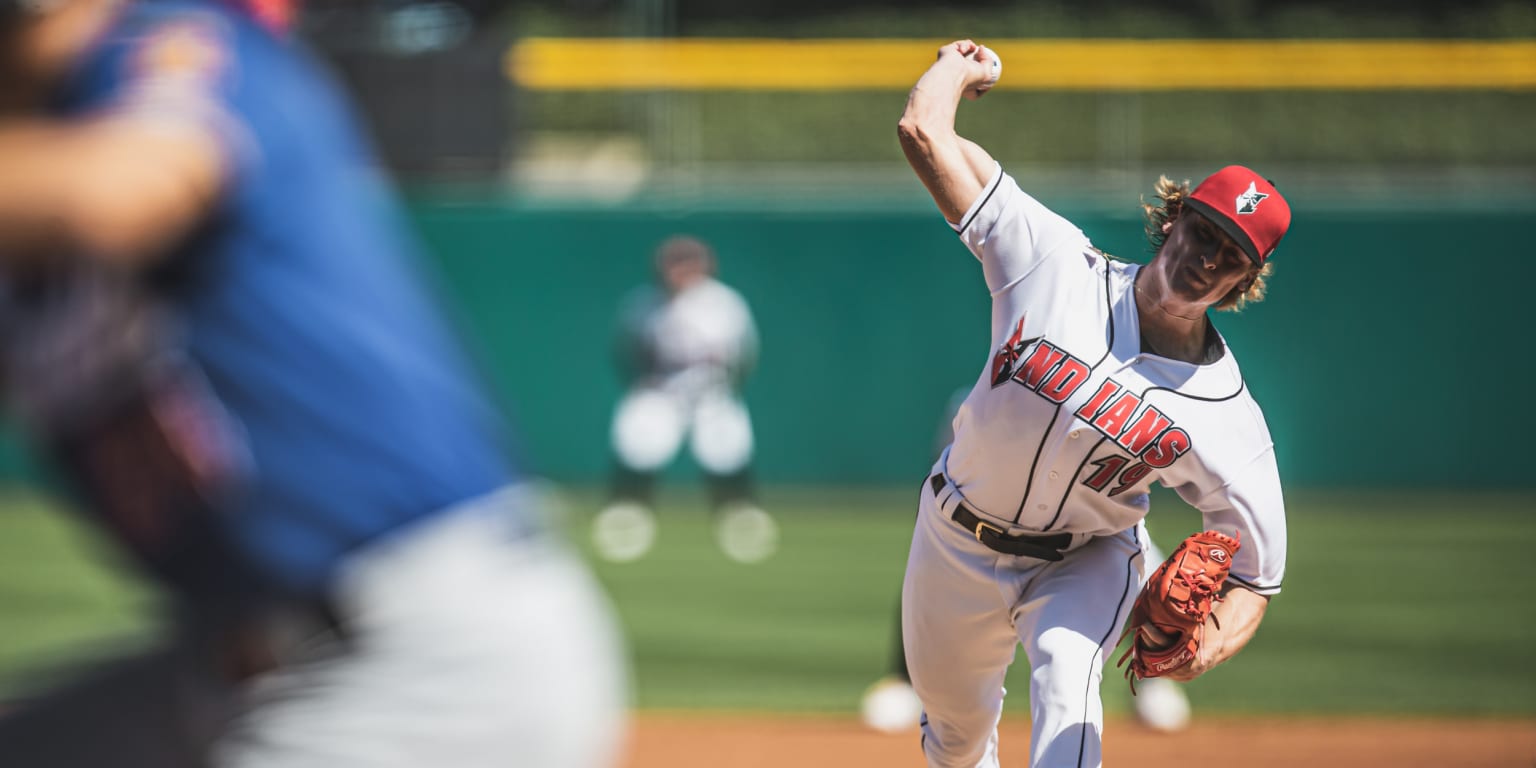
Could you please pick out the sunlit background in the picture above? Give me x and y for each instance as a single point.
(545, 148)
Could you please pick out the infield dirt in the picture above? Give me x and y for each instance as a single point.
(677, 740)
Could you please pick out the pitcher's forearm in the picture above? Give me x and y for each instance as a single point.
(115, 189)
(953, 169)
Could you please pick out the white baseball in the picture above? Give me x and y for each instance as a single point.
(997, 68)
(891, 706)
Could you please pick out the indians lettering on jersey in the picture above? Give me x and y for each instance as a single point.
(1055, 374)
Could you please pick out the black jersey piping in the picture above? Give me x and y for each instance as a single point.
(1044, 435)
(1242, 384)
(1120, 610)
(1109, 310)
(1073, 482)
(988, 198)
(1250, 584)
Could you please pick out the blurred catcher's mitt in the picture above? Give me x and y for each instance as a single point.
(1168, 620)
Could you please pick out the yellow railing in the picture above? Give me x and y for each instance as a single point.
(566, 64)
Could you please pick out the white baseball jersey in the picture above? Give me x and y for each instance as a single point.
(1064, 433)
(704, 332)
(692, 348)
(1072, 422)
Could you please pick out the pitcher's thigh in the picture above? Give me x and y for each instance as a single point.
(958, 643)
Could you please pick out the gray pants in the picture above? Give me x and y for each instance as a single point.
(467, 643)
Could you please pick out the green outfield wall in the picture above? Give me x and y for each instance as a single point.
(1393, 350)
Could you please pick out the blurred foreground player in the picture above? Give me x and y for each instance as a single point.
(213, 327)
(686, 344)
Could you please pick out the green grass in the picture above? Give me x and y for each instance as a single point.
(62, 595)
(805, 630)
(1394, 604)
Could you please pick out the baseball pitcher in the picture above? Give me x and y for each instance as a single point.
(1105, 377)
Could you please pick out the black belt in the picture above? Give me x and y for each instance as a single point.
(1039, 547)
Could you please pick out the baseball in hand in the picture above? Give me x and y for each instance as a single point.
(996, 65)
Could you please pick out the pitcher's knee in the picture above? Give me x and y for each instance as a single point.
(948, 744)
(956, 726)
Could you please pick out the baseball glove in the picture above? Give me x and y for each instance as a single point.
(1174, 604)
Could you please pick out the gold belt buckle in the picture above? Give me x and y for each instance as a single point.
(980, 525)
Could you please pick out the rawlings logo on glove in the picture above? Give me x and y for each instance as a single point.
(1174, 604)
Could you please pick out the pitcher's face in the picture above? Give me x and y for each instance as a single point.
(1200, 263)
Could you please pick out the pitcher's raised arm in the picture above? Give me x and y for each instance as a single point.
(953, 168)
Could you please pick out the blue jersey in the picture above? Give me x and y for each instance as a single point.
(355, 410)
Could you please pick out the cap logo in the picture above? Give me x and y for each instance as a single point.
(1248, 202)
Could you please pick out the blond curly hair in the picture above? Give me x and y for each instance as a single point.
(1167, 209)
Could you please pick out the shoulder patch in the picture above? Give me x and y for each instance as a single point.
(183, 50)
(176, 69)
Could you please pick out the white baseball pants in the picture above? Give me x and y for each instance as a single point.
(965, 611)
(650, 424)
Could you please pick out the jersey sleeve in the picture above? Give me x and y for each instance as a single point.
(1252, 505)
(174, 70)
(1012, 233)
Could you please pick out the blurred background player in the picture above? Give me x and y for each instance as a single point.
(214, 329)
(685, 346)
(889, 705)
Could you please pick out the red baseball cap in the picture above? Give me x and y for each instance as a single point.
(1246, 206)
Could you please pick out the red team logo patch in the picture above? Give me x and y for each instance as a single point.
(1008, 354)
